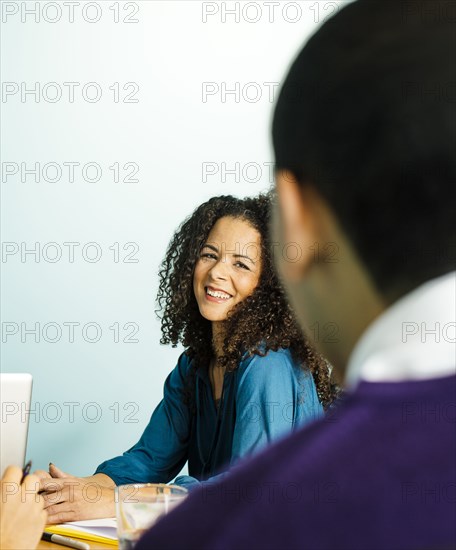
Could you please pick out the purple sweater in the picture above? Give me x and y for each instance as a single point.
(379, 472)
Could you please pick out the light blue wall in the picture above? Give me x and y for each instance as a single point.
(170, 133)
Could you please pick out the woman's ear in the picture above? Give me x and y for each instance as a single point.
(295, 225)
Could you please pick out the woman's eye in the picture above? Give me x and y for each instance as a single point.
(242, 265)
(209, 256)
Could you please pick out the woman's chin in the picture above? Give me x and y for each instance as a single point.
(214, 318)
(212, 315)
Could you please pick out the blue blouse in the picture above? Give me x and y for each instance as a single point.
(263, 399)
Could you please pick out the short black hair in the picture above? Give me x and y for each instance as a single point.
(367, 116)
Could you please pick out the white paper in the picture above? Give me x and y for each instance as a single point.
(105, 527)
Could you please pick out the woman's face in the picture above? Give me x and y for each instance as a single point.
(228, 268)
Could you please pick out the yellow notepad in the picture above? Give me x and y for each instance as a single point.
(96, 530)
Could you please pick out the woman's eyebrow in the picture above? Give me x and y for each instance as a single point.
(242, 256)
(215, 249)
(211, 246)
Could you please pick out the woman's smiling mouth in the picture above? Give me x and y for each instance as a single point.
(216, 295)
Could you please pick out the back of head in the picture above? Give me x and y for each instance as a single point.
(367, 116)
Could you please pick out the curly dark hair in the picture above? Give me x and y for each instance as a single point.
(261, 322)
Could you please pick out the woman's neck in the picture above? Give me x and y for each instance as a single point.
(218, 335)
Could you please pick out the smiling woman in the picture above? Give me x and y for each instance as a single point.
(221, 263)
(247, 375)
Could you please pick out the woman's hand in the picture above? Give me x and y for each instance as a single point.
(68, 498)
(22, 516)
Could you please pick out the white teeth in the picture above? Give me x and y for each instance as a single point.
(217, 294)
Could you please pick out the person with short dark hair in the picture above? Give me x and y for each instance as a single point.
(364, 138)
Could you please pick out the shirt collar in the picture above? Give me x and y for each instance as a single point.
(414, 339)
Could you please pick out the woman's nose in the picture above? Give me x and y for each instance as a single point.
(219, 270)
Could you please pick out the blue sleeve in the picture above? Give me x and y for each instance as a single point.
(274, 397)
(161, 452)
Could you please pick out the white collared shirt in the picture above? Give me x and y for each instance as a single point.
(414, 339)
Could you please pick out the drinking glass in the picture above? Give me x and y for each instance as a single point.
(138, 507)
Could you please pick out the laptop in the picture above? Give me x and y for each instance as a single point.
(15, 397)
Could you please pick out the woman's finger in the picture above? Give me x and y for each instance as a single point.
(61, 517)
(50, 485)
(53, 499)
(57, 472)
(42, 474)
